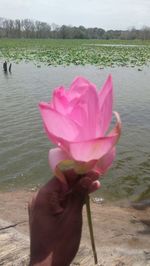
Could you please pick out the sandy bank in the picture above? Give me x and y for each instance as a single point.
(122, 233)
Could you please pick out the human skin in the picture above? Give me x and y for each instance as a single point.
(55, 219)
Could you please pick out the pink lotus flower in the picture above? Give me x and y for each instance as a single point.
(76, 120)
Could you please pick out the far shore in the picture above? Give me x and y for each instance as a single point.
(122, 233)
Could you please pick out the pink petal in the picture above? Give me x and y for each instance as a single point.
(79, 115)
(79, 85)
(60, 100)
(59, 161)
(91, 150)
(97, 148)
(71, 108)
(55, 157)
(118, 127)
(88, 105)
(57, 125)
(105, 162)
(106, 102)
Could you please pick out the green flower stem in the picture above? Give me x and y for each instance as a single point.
(88, 210)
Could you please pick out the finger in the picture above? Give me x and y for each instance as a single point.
(86, 185)
(93, 175)
(94, 186)
(71, 177)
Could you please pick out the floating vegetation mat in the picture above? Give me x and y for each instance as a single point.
(76, 53)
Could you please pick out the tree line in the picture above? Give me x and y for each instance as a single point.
(27, 28)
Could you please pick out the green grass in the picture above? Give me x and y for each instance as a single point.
(49, 43)
(76, 52)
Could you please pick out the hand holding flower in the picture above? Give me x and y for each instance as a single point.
(55, 215)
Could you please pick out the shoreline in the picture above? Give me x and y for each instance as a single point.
(122, 233)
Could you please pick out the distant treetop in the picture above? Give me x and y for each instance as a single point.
(27, 28)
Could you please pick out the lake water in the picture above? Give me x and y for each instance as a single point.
(24, 146)
(115, 45)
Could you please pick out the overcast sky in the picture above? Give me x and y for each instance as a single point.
(107, 14)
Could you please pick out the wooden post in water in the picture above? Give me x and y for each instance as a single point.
(5, 66)
(10, 67)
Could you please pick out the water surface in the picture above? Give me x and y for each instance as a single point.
(24, 146)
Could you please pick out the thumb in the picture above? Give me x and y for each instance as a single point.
(76, 196)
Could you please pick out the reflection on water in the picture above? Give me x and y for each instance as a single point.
(24, 146)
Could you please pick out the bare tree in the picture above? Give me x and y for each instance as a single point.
(28, 28)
